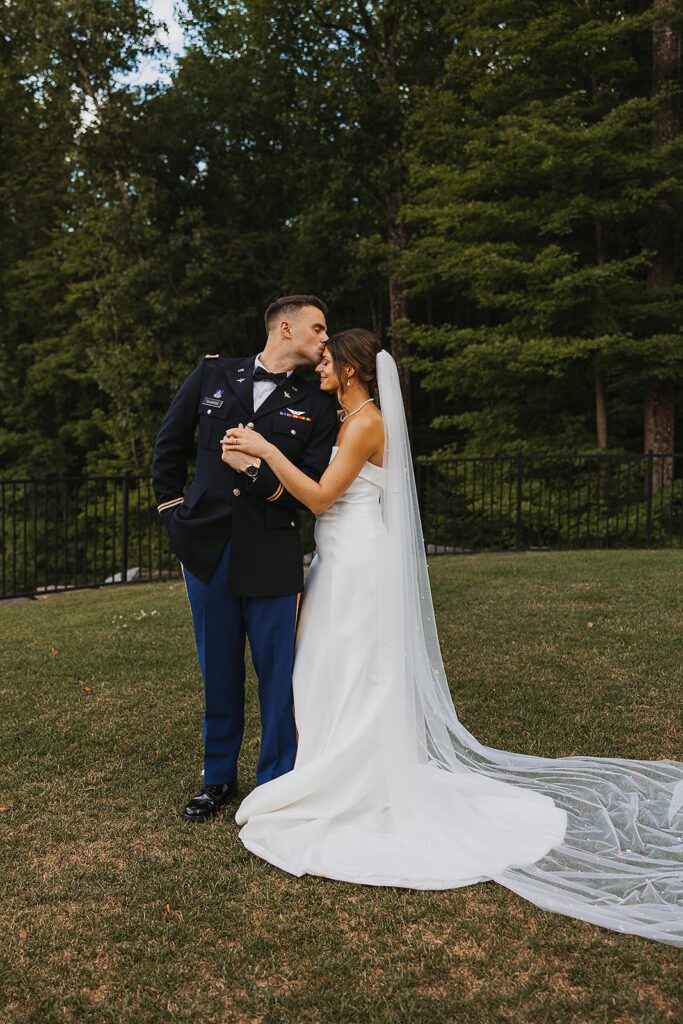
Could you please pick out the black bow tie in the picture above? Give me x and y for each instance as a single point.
(260, 373)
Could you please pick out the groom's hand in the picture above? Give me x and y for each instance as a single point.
(237, 460)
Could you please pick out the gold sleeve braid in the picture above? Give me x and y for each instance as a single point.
(277, 494)
(170, 504)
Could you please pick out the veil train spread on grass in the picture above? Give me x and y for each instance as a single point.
(620, 864)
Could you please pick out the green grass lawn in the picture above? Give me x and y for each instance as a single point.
(115, 910)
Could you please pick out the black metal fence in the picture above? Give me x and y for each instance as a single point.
(552, 501)
(74, 532)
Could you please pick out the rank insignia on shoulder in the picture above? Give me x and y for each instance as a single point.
(215, 355)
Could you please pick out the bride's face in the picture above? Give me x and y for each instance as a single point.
(325, 370)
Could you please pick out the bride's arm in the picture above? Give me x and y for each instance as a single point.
(361, 439)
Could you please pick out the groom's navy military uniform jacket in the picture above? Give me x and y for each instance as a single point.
(221, 505)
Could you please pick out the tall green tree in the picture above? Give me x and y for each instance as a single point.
(314, 98)
(61, 74)
(535, 184)
(665, 270)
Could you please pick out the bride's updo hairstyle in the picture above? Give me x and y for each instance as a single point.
(357, 348)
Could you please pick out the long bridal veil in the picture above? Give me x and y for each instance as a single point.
(620, 864)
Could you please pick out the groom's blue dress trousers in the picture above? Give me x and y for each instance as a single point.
(239, 544)
(221, 622)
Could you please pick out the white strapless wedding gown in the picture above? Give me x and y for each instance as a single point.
(339, 813)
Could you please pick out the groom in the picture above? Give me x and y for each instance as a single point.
(236, 532)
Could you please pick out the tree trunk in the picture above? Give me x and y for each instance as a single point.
(600, 409)
(666, 69)
(659, 429)
(398, 309)
(600, 405)
(381, 40)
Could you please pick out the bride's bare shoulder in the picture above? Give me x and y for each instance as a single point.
(364, 432)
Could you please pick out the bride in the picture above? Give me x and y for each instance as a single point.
(388, 787)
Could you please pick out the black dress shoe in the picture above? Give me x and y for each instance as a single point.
(205, 805)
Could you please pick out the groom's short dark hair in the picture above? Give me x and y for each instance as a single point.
(290, 303)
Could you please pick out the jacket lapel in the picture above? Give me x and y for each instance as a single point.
(241, 380)
(285, 394)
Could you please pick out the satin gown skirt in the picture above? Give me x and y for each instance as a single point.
(357, 807)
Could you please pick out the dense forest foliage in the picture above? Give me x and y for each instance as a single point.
(491, 186)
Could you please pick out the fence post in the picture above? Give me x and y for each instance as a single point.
(649, 482)
(124, 525)
(518, 521)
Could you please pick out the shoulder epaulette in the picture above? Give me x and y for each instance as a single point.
(202, 359)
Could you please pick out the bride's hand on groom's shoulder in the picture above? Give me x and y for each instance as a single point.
(246, 440)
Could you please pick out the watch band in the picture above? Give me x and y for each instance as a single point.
(255, 465)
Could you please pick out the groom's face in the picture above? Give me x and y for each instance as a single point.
(308, 334)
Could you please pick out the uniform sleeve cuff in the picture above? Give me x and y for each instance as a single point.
(166, 505)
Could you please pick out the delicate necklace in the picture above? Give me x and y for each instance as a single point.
(345, 415)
